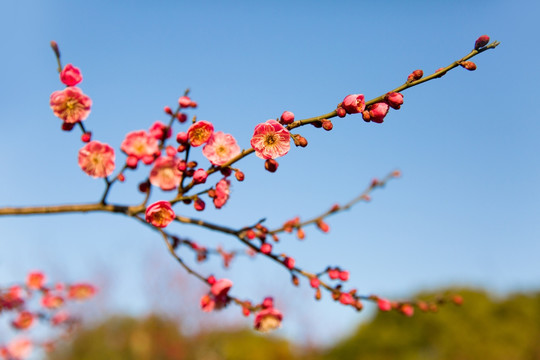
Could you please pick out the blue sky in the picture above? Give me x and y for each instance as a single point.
(465, 211)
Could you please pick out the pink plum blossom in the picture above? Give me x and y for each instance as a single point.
(221, 148)
(200, 132)
(19, 349)
(222, 193)
(270, 140)
(97, 159)
(165, 173)
(199, 176)
(140, 144)
(354, 104)
(394, 100)
(268, 319)
(160, 214)
(70, 75)
(378, 111)
(157, 130)
(70, 104)
(81, 291)
(35, 280)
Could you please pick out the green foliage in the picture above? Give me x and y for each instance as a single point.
(482, 328)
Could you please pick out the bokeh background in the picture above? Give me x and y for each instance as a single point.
(464, 213)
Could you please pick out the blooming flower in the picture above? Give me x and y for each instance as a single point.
(81, 291)
(140, 144)
(19, 349)
(270, 140)
(200, 132)
(221, 148)
(24, 320)
(268, 319)
(35, 280)
(157, 130)
(165, 173)
(50, 301)
(70, 104)
(217, 298)
(97, 159)
(160, 214)
(70, 75)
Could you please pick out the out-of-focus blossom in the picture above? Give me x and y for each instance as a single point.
(97, 159)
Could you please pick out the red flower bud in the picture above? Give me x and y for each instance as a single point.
(415, 75)
(199, 204)
(239, 175)
(167, 110)
(181, 117)
(289, 262)
(131, 162)
(469, 65)
(314, 282)
(299, 140)
(266, 248)
(327, 125)
(344, 275)
(481, 42)
(341, 112)
(287, 118)
(394, 100)
(333, 274)
(377, 112)
(86, 137)
(271, 165)
(184, 101)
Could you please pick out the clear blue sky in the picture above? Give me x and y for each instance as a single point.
(466, 211)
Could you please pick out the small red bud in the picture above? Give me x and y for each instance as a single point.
(250, 234)
(384, 305)
(148, 159)
(121, 177)
(323, 226)
(271, 165)
(199, 204)
(131, 162)
(441, 74)
(415, 75)
(67, 126)
(184, 101)
(193, 104)
(396, 173)
(239, 175)
(300, 234)
(366, 116)
(469, 65)
(299, 140)
(317, 124)
(318, 294)
(407, 310)
(86, 137)
(144, 186)
(211, 280)
(287, 118)
(327, 125)
(314, 282)
(358, 305)
(344, 275)
(182, 165)
(266, 248)
(267, 303)
(167, 110)
(481, 42)
(181, 117)
(289, 262)
(457, 299)
(182, 138)
(333, 274)
(295, 280)
(181, 148)
(54, 46)
(226, 171)
(341, 112)
(394, 100)
(212, 193)
(192, 164)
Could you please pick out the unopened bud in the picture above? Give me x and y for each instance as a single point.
(199, 204)
(415, 75)
(131, 162)
(239, 175)
(67, 126)
(287, 118)
(366, 116)
(144, 186)
(266, 248)
(469, 65)
(271, 165)
(299, 140)
(184, 101)
(192, 164)
(314, 282)
(226, 171)
(317, 124)
(300, 234)
(341, 112)
(323, 226)
(394, 100)
(327, 125)
(167, 110)
(181, 117)
(457, 299)
(289, 262)
(181, 165)
(54, 46)
(318, 294)
(121, 177)
(86, 137)
(481, 42)
(295, 280)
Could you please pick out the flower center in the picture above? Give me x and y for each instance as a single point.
(270, 139)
